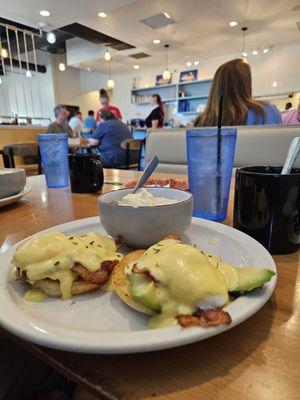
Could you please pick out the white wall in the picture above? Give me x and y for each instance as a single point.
(280, 65)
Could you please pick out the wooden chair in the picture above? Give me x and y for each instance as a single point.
(30, 154)
(133, 148)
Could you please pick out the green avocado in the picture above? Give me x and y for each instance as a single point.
(244, 279)
(143, 291)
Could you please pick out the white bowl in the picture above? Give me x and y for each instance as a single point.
(12, 181)
(143, 226)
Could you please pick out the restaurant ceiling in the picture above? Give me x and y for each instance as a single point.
(201, 30)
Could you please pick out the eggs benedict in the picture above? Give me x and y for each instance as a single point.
(62, 266)
(177, 283)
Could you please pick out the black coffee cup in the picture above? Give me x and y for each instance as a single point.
(86, 173)
(267, 207)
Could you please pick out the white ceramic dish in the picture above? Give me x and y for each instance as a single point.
(99, 322)
(16, 197)
(154, 222)
(12, 181)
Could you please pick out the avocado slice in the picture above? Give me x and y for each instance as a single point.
(244, 279)
(143, 290)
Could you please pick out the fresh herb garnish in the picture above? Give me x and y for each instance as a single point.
(99, 245)
(156, 250)
(92, 242)
(71, 237)
(57, 262)
(74, 243)
(86, 247)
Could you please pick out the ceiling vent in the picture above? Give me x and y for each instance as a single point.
(158, 21)
(138, 56)
(298, 25)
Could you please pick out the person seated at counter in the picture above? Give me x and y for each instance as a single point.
(233, 81)
(61, 124)
(89, 124)
(107, 137)
(76, 123)
(156, 118)
(292, 117)
(104, 100)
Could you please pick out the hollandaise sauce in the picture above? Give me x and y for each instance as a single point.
(34, 295)
(53, 255)
(184, 278)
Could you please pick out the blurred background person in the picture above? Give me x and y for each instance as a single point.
(89, 124)
(292, 117)
(105, 105)
(107, 137)
(76, 123)
(156, 118)
(233, 81)
(288, 106)
(61, 123)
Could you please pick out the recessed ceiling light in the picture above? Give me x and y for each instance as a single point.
(4, 53)
(188, 64)
(274, 84)
(0, 81)
(156, 41)
(255, 52)
(196, 62)
(266, 50)
(136, 66)
(167, 15)
(28, 74)
(45, 13)
(244, 54)
(233, 23)
(102, 14)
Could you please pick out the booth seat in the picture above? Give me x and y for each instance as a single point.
(256, 145)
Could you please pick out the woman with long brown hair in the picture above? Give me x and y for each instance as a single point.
(156, 118)
(233, 81)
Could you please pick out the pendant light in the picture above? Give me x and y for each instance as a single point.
(166, 74)
(107, 55)
(110, 83)
(244, 53)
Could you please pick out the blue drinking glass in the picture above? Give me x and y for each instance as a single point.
(54, 153)
(210, 183)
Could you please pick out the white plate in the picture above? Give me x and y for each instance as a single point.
(99, 322)
(15, 197)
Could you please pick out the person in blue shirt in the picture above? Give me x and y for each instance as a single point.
(233, 81)
(90, 124)
(107, 137)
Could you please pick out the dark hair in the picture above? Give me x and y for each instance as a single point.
(57, 109)
(233, 81)
(91, 113)
(78, 112)
(288, 105)
(103, 93)
(160, 103)
(107, 114)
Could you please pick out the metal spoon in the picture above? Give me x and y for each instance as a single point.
(291, 156)
(146, 174)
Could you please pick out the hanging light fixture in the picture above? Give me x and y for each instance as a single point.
(244, 53)
(4, 53)
(107, 55)
(62, 66)
(51, 37)
(166, 74)
(110, 83)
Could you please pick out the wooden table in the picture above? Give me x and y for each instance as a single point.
(259, 359)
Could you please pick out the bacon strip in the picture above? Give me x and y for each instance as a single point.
(99, 277)
(143, 271)
(205, 318)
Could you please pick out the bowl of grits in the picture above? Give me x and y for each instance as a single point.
(144, 218)
(12, 181)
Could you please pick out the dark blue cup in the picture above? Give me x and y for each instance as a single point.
(210, 183)
(54, 153)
